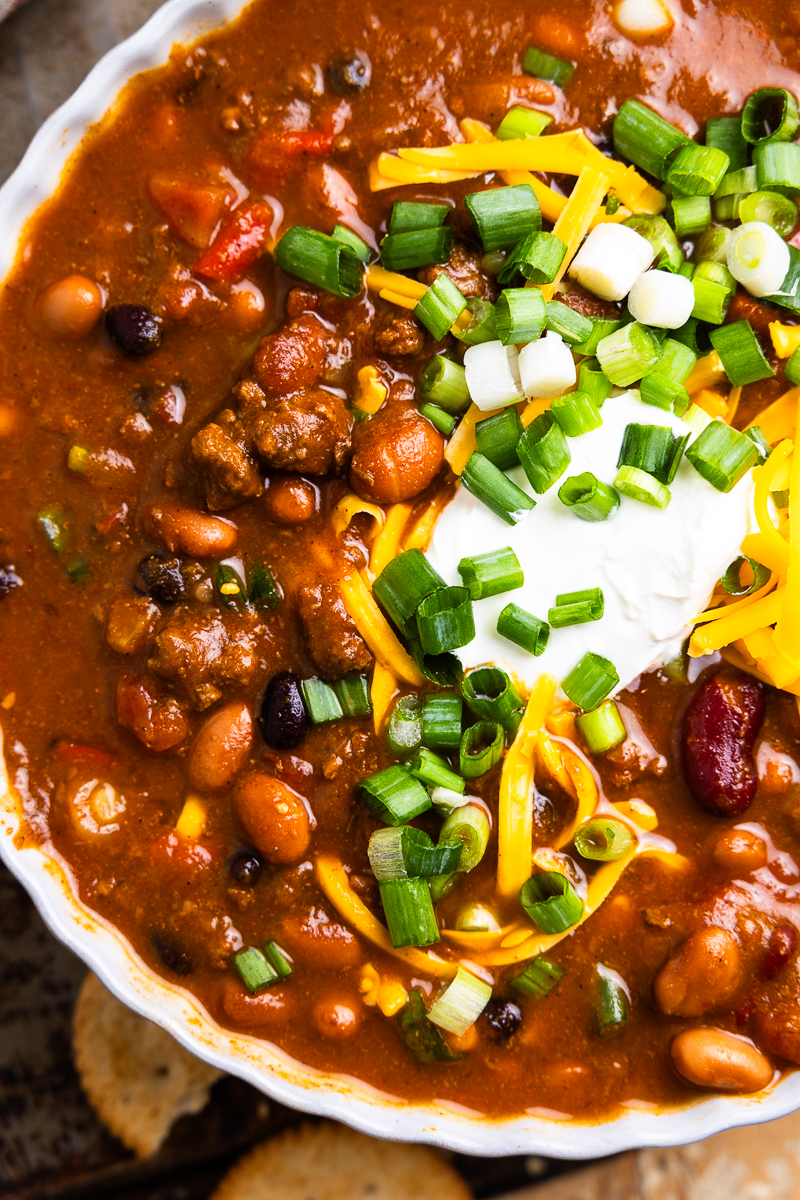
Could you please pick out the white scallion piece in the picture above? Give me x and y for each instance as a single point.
(643, 18)
(758, 258)
(696, 418)
(461, 1003)
(493, 376)
(446, 800)
(547, 367)
(611, 260)
(661, 299)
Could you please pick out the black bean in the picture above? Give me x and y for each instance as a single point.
(163, 578)
(504, 1018)
(283, 718)
(9, 579)
(350, 73)
(245, 868)
(134, 328)
(170, 953)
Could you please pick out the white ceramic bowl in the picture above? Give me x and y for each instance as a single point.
(48, 879)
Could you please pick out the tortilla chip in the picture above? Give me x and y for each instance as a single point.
(137, 1078)
(331, 1162)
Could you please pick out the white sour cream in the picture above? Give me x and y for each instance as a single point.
(657, 568)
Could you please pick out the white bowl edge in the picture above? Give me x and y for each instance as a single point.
(49, 882)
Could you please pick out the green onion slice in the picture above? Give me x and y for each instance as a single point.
(551, 902)
(546, 66)
(408, 908)
(423, 1040)
(264, 591)
(773, 209)
(732, 579)
(254, 970)
(402, 586)
(657, 231)
(441, 306)
(593, 383)
(481, 749)
(572, 326)
(588, 683)
(537, 256)
(469, 826)
(461, 1003)
(691, 215)
(642, 486)
(417, 248)
(611, 1003)
(441, 722)
(644, 138)
(445, 620)
(588, 497)
(321, 701)
(490, 694)
(629, 353)
(433, 771)
(521, 122)
(648, 448)
(603, 728)
(408, 215)
(481, 326)
(539, 978)
(722, 455)
(404, 731)
(602, 327)
(359, 247)
(444, 382)
(778, 167)
(725, 133)
(543, 452)
(352, 693)
(492, 488)
(320, 260)
(524, 629)
(502, 216)
(770, 114)
(394, 795)
(791, 368)
(496, 438)
(697, 170)
(401, 852)
(677, 361)
(520, 315)
(575, 413)
(759, 440)
(741, 353)
(491, 573)
(665, 393)
(445, 422)
(577, 608)
(603, 839)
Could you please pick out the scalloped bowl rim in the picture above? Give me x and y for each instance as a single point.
(49, 880)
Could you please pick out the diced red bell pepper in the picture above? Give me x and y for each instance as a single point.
(74, 752)
(273, 154)
(240, 243)
(193, 209)
(181, 859)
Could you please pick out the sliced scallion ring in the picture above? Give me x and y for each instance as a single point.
(408, 215)
(481, 749)
(520, 315)
(539, 978)
(603, 728)
(441, 306)
(641, 485)
(732, 579)
(588, 497)
(444, 382)
(577, 608)
(495, 490)
(603, 839)
(770, 114)
(503, 216)
(445, 620)
(575, 413)
(320, 260)
(461, 1003)
(524, 629)
(543, 452)
(492, 573)
(441, 722)
(469, 826)
(722, 455)
(496, 438)
(408, 909)
(394, 795)
(590, 681)
(551, 902)
(490, 694)
(725, 133)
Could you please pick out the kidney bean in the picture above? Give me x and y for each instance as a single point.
(188, 531)
(283, 720)
(701, 975)
(396, 455)
(157, 721)
(221, 746)
(504, 1018)
(274, 819)
(740, 850)
(713, 1058)
(272, 1007)
(717, 737)
(782, 945)
(315, 940)
(779, 1032)
(292, 358)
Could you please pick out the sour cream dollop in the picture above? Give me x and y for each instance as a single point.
(657, 568)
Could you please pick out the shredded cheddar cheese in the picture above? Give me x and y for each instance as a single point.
(787, 628)
(462, 443)
(387, 544)
(711, 402)
(382, 692)
(778, 419)
(350, 506)
(706, 372)
(421, 532)
(374, 628)
(785, 338)
(515, 813)
(573, 224)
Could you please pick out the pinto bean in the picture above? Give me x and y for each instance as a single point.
(316, 940)
(396, 455)
(338, 1017)
(271, 1008)
(717, 738)
(289, 500)
(778, 1031)
(188, 531)
(71, 306)
(701, 975)
(714, 1058)
(782, 945)
(221, 746)
(740, 850)
(273, 818)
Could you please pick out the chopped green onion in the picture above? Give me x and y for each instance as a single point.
(773, 209)
(496, 438)
(443, 421)
(593, 383)
(539, 978)
(404, 730)
(644, 138)
(443, 885)
(641, 485)
(490, 693)
(612, 204)
(537, 256)
(402, 852)
(590, 681)
(417, 248)
(444, 382)
(759, 439)
(468, 825)
(394, 795)
(504, 215)
(602, 327)
(402, 585)
(481, 325)
(445, 620)
(346, 236)
(441, 722)
(697, 170)
(665, 393)
(778, 167)
(321, 701)
(575, 413)
(677, 361)
(692, 335)
(628, 354)
(714, 287)
(491, 573)
(725, 133)
(545, 66)
(254, 970)
(611, 1004)
(408, 909)
(433, 771)
(461, 1003)
(603, 839)
(492, 488)
(603, 728)
(264, 591)
(410, 215)
(577, 608)
(78, 571)
(521, 122)
(722, 455)
(791, 368)
(440, 307)
(278, 960)
(737, 183)
(481, 749)
(320, 260)
(543, 452)
(53, 524)
(442, 669)
(569, 324)
(788, 296)
(551, 902)
(726, 208)
(732, 579)
(646, 447)
(520, 315)
(712, 246)
(352, 693)
(588, 497)
(230, 586)
(740, 353)
(687, 271)
(523, 629)
(446, 801)
(780, 499)
(424, 1041)
(668, 254)
(770, 114)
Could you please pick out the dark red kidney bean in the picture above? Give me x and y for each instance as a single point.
(134, 328)
(283, 718)
(719, 730)
(782, 945)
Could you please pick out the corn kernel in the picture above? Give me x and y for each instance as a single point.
(192, 821)
(371, 391)
(391, 998)
(785, 338)
(369, 985)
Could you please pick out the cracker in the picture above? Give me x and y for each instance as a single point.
(137, 1078)
(332, 1162)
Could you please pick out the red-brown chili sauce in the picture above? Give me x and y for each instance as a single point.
(214, 421)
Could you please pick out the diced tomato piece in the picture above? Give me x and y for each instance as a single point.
(182, 859)
(272, 155)
(193, 209)
(239, 244)
(74, 752)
